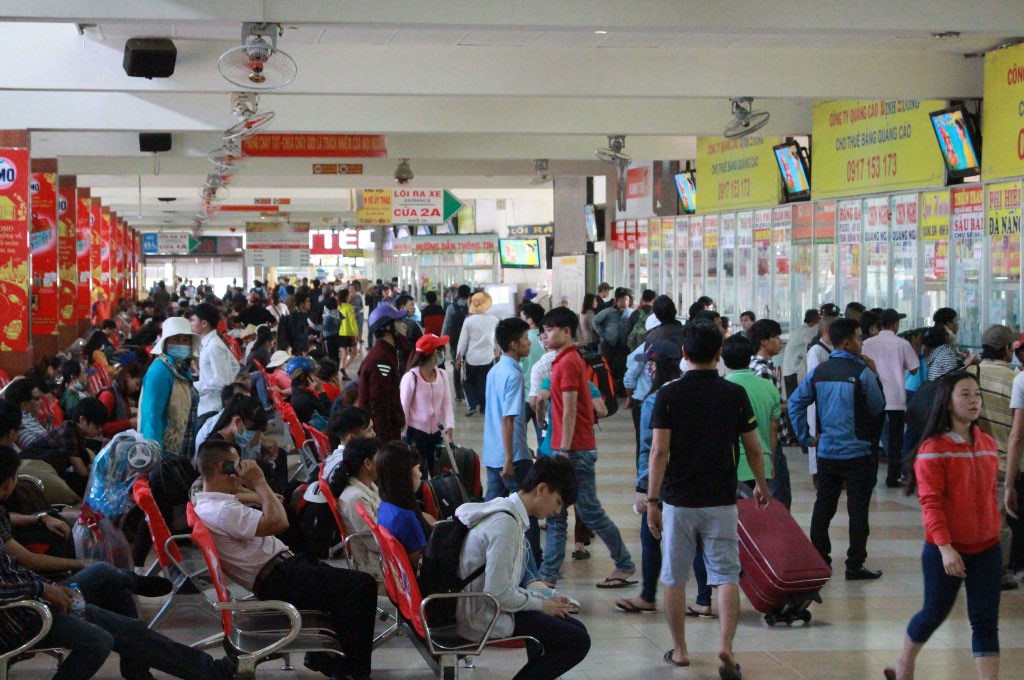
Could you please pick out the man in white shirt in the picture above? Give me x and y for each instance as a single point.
(793, 366)
(818, 353)
(217, 366)
(477, 349)
(253, 557)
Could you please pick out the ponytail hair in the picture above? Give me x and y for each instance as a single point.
(357, 452)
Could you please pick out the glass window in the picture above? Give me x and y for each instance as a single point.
(967, 231)
(642, 254)
(727, 306)
(1002, 219)
(849, 226)
(763, 255)
(668, 262)
(744, 262)
(824, 254)
(876, 243)
(782, 224)
(711, 281)
(654, 246)
(904, 252)
(802, 256)
(933, 230)
(631, 254)
(682, 253)
(696, 261)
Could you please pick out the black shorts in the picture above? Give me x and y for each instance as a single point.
(346, 341)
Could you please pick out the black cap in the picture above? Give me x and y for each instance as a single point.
(812, 316)
(890, 316)
(829, 309)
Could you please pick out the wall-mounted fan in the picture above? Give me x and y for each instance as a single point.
(614, 153)
(257, 64)
(540, 166)
(248, 126)
(745, 120)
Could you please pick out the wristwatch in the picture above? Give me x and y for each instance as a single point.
(39, 517)
(655, 500)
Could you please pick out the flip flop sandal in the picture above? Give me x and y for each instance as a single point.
(630, 608)
(732, 673)
(581, 554)
(679, 664)
(890, 674)
(691, 612)
(616, 582)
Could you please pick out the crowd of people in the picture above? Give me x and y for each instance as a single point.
(712, 404)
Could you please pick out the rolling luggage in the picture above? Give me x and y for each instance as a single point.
(447, 488)
(465, 463)
(782, 573)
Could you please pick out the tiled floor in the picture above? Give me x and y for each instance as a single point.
(855, 633)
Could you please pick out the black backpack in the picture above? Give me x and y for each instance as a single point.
(600, 373)
(439, 572)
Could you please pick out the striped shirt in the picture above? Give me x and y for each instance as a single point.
(996, 378)
(941, 361)
(17, 583)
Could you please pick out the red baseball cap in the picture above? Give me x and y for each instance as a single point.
(430, 343)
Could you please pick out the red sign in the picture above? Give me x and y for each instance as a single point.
(95, 241)
(638, 182)
(335, 243)
(83, 251)
(631, 235)
(968, 213)
(67, 259)
(316, 146)
(337, 168)
(105, 240)
(248, 208)
(14, 226)
(803, 223)
(43, 244)
(116, 257)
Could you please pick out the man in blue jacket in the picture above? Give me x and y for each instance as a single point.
(849, 402)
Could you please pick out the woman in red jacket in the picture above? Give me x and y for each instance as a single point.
(954, 471)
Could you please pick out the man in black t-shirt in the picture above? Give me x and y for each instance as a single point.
(697, 423)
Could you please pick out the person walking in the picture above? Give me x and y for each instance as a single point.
(572, 426)
(765, 337)
(849, 402)
(954, 472)
(765, 402)
(612, 326)
(355, 298)
(427, 400)
(696, 423)
(476, 350)
(505, 415)
(168, 402)
(454, 318)
(379, 376)
(894, 357)
(348, 332)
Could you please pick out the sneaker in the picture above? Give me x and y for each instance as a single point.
(151, 586)
(862, 574)
(1009, 582)
(470, 412)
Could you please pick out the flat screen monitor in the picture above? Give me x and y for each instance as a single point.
(958, 141)
(795, 178)
(687, 192)
(591, 222)
(520, 253)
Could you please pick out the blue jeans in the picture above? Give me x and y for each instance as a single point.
(650, 562)
(589, 509)
(500, 487)
(104, 585)
(779, 483)
(91, 639)
(700, 574)
(984, 581)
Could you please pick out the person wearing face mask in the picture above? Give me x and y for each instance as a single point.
(243, 423)
(168, 402)
(76, 386)
(426, 399)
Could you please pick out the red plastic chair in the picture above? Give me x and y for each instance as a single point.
(5, 378)
(233, 346)
(98, 378)
(50, 410)
(320, 441)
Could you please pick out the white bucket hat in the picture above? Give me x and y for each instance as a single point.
(176, 325)
(278, 358)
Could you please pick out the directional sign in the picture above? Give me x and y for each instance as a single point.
(169, 243)
(423, 206)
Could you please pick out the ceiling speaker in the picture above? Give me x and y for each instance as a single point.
(149, 57)
(154, 141)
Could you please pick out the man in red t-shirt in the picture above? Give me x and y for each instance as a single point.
(572, 436)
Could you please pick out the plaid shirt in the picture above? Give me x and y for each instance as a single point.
(17, 583)
(764, 368)
(58, 446)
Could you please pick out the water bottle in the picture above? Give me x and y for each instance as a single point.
(77, 601)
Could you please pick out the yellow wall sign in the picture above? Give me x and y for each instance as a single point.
(933, 215)
(375, 207)
(737, 173)
(1003, 125)
(866, 145)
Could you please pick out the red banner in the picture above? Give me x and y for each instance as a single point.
(316, 146)
(95, 239)
(14, 227)
(105, 241)
(117, 259)
(83, 251)
(43, 244)
(67, 259)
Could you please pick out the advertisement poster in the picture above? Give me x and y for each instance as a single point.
(737, 173)
(848, 224)
(682, 246)
(106, 237)
(968, 213)
(43, 244)
(630, 234)
(867, 145)
(67, 258)
(904, 218)
(782, 225)
(374, 206)
(1002, 222)
(83, 251)
(116, 256)
(933, 228)
(1003, 123)
(277, 244)
(763, 246)
(95, 239)
(825, 222)
(803, 224)
(14, 265)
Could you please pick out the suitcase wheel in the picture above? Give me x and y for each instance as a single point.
(771, 619)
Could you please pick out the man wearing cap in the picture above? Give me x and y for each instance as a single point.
(996, 379)
(477, 350)
(894, 357)
(380, 377)
(603, 291)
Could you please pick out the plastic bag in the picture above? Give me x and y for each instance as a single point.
(97, 539)
(115, 470)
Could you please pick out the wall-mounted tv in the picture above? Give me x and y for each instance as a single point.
(520, 253)
(958, 140)
(591, 222)
(687, 192)
(792, 163)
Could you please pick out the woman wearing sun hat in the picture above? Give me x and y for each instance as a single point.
(168, 403)
(426, 399)
(477, 349)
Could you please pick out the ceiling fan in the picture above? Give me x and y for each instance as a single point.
(745, 120)
(540, 166)
(613, 153)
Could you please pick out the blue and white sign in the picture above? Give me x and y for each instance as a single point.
(150, 244)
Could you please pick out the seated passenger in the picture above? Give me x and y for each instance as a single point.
(25, 394)
(254, 558)
(304, 399)
(352, 483)
(65, 446)
(496, 551)
(398, 478)
(118, 397)
(330, 379)
(76, 385)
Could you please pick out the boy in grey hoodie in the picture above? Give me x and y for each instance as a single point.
(496, 538)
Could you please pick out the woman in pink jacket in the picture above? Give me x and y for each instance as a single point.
(427, 400)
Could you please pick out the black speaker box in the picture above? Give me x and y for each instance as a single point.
(154, 141)
(149, 57)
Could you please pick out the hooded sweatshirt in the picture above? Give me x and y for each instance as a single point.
(496, 538)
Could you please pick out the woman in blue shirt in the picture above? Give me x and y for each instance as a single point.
(168, 403)
(398, 478)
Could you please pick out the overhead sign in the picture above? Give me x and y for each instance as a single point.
(316, 146)
(277, 244)
(423, 206)
(451, 243)
(169, 243)
(737, 173)
(1002, 132)
(374, 206)
(337, 168)
(532, 230)
(14, 226)
(869, 145)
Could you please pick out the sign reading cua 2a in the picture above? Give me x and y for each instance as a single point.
(423, 206)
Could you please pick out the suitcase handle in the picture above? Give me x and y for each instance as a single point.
(448, 450)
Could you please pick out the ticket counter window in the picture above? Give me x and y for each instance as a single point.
(764, 262)
(933, 239)
(782, 223)
(744, 261)
(802, 255)
(727, 305)
(876, 247)
(966, 294)
(682, 237)
(711, 280)
(903, 241)
(1002, 228)
(824, 254)
(696, 261)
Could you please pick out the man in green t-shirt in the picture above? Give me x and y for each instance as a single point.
(764, 400)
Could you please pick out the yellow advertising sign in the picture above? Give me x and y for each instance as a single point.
(933, 215)
(737, 173)
(867, 145)
(1002, 222)
(375, 207)
(1003, 125)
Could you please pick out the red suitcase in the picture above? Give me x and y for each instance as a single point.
(782, 573)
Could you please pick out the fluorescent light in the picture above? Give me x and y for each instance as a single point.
(601, 32)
